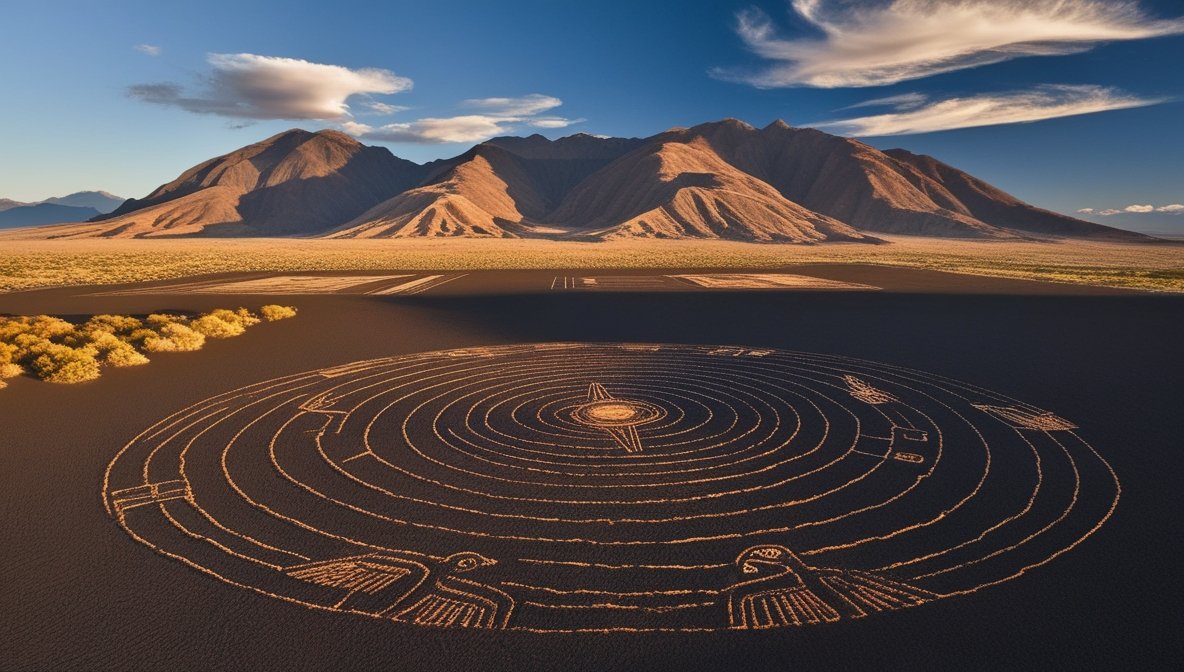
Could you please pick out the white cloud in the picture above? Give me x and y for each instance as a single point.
(898, 40)
(386, 109)
(523, 106)
(250, 86)
(148, 49)
(1137, 209)
(465, 128)
(553, 122)
(502, 116)
(356, 128)
(991, 109)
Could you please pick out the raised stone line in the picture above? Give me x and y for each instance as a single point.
(406, 287)
(149, 493)
(1044, 421)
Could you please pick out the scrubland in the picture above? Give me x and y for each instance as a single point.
(58, 351)
(26, 264)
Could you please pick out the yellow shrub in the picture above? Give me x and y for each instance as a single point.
(41, 326)
(138, 336)
(29, 346)
(7, 353)
(119, 325)
(214, 326)
(10, 327)
(63, 364)
(157, 320)
(49, 327)
(245, 316)
(174, 337)
(272, 312)
(60, 352)
(125, 355)
(110, 349)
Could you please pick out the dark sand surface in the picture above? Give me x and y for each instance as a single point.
(79, 593)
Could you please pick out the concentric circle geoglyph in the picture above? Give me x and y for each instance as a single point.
(605, 487)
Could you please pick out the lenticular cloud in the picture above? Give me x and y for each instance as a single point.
(250, 86)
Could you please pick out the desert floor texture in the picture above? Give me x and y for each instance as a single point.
(817, 465)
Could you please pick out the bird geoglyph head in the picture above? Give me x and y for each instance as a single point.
(467, 561)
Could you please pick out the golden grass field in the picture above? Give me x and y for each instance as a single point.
(27, 264)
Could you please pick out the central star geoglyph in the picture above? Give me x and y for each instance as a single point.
(617, 417)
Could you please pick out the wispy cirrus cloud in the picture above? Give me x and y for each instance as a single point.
(988, 109)
(522, 106)
(250, 86)
(148, 49)
(383, 109)
(430, 130)
(886, 43)
(498, 116)
(904, 101)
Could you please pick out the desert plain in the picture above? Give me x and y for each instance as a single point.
(1087, 332)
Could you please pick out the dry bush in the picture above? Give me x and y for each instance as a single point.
(157, 320)
(248, 318)
(7, 353)
(57, 351)
(120, 354)
(213, 327)
(63, 364)
(174, 337)
(272, 312)
(118, 325)
(223, 323)
(41, 326)
(138, 336)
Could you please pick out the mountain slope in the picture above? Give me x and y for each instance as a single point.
(291, 184)
(486, 193)
(886, 192)
(502, 188)
(685, 190)
(840, 177)
(998, 208)
(555, 167)
(43, 213)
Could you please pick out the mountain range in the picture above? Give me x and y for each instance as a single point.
(719, 180)
(75, 207)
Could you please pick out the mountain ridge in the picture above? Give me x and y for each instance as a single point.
(717, 180)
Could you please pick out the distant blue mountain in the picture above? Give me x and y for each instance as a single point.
(44, 213)
(99, 200)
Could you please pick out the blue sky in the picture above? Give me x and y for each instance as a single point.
(123, 96)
